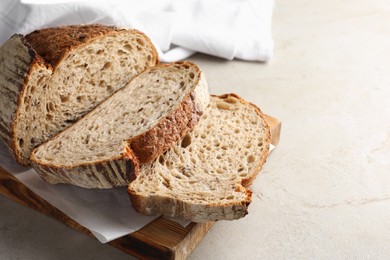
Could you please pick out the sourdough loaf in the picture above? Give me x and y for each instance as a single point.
(206, 175)
(52, 77)
(135, 125)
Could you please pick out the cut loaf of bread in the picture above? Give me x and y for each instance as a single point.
(206, 176)
(52, 77)
(135, 125)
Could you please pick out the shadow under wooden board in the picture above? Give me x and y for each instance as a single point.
(160, 239)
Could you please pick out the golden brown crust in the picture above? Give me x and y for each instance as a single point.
(106, 174)
(53, 44)
(31, 61)
(171, 129)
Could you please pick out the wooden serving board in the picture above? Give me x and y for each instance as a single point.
(160, 239)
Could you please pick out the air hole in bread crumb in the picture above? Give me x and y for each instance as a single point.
(49, 117)
(21, 142)
(107, 65)
(223, 106)
(87, 138)
(141, 42)
(70, 121)
(240, 169)
(121, 52)
(25, 100)
(192, 75)
(260, 144)
(149, 58)
(230, 197)
(38, 82)
(80, 98)
(186, 141)
(99, 52)
(236, 131)
(128, 47)
(219, 157)
(182, 84)
(161, 160)
(64, 98)
(50, 107)
(224, 147)
(109, 89)
(250, 159)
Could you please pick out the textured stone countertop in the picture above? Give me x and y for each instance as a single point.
(324, 193)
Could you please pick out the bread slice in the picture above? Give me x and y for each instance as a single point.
(53, 76)
(205, 176)
(135, 125)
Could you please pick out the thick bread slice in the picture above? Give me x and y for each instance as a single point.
(52, 77)
(135, 125)
(205, 176)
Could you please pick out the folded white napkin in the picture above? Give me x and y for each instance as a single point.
(225, 28)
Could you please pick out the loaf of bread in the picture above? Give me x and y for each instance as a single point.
(206, 175)
(135, 125)
(53, 76)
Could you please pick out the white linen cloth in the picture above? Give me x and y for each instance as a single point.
(224, 28)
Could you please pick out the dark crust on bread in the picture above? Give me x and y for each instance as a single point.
(93, 173)
(23, 73)
(53, 44)
(163, 205)
(171, 129)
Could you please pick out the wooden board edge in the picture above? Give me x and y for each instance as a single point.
(275, 126)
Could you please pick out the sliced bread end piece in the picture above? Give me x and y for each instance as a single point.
(52, 77)
(206, 176)
(138, 123)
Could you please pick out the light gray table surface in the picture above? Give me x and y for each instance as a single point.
(324, 193)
